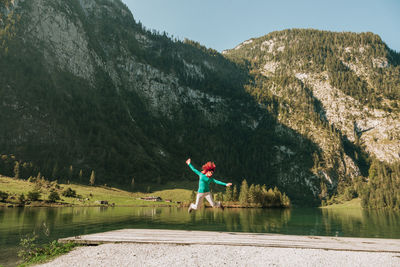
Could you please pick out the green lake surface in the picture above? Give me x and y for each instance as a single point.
(53, 223)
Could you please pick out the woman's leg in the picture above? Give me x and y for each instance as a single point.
(199, 200)
(210, 200)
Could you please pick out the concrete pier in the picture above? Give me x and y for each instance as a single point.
(182, 237)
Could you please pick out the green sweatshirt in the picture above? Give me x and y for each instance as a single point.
(204, 181)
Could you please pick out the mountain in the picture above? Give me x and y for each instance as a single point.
(353, 77)
(340, 90)
(85, 87)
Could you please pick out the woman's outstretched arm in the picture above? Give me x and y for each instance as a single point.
(188, 161)
(221, 183)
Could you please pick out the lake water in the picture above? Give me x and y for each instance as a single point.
(54, 223)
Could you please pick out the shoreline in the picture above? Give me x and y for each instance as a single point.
(126, 206)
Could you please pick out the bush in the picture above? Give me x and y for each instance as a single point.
(32, 253)
(3, 196)
(33, 195)
(21, 198)
(27, 247)
(69, 192)
(54, 196)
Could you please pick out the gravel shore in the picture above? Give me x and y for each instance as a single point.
(217, 255)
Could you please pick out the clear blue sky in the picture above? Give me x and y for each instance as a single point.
(223, 24)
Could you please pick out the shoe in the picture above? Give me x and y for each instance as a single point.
(190, 209)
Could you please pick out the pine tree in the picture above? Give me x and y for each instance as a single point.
(228, 194)
(252, 194)
(263, 195)
(92, 178)
(70, 172)
(269, 197)
(244, 193)
(235, 195)
(16, 170)
(285, 200)
(219, 196)
(258, 194)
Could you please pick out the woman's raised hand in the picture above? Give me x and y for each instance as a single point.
(228, 184)
(188, 161)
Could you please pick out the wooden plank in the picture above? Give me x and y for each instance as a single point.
(182, 237)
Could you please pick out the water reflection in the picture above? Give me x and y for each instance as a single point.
(54, 223)
(363, 223)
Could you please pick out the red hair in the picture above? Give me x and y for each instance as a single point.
(209, 166)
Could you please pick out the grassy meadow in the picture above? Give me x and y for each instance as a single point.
(89, 195)
(355, 203)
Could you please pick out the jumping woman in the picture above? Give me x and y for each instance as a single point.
(204, 185)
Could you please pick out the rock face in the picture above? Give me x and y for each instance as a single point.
(313, 63)
(108, 95)
(62, 36)
(377, 130)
